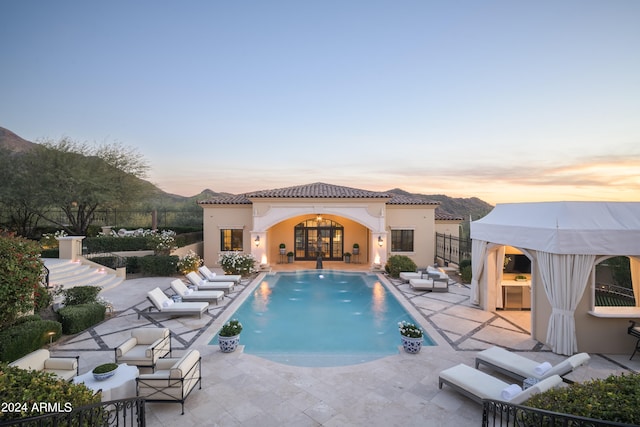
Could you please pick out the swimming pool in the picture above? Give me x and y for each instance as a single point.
(321, 318)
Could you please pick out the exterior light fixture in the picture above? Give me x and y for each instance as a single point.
(380, 241)
(257, 241)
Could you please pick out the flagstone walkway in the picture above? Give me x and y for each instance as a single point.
(240, 389)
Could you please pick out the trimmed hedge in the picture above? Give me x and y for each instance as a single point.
(81, 295)
(614, 399)
(399, 263)
(77, 318)
(158, 265)
(31, 388)
(26, 336)
(114, 244)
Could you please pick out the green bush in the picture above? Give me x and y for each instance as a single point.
(158, 265)
(51, 253)
(41, 298)
(27, 336)
(110, 261)
(614, 399)
(133, 265)
(77, 318)
(466, 274)
(81, 295)
(30, 388)
(20, 273)
(399, 263)
(116, 244)
(464, 263)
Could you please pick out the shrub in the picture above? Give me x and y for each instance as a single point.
(116, 244)
(237, 263)
(27, 336)
(41, 298)
(133, 265)
(189, 263)
(466, 274)
(614, 399)
(29, 388)
(81, 295)
(77, 318)
(399, 263)
(158, 265)
(20, 274)
(464, 263)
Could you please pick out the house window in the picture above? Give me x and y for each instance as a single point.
(231, 239)
(402, 240)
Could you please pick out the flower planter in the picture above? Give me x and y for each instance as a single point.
(101, 376)
(411, 345)
(228, 344)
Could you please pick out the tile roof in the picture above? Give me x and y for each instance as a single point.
(318, 190)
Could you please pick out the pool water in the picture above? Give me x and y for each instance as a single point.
(321, 318)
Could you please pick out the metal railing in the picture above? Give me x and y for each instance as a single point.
(504, 414)
(452, 249)
(121, 413)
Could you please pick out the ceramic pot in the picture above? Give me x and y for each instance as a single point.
(411, 345)
(228, 344)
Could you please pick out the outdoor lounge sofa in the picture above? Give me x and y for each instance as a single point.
(519, 367)
(429, 272)
(165, 305)
(433, 284)
(65, 368)
(478, 385)
(213, 277)
(204, 285)
(144, 347)
(190, 295)
(173, 379)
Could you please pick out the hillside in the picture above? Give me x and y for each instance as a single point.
(159, 199)
(462, 207)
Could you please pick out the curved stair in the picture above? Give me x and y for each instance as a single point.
(70, 274)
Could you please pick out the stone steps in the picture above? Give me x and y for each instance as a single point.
(69, 274)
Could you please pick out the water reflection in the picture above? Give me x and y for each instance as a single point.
(379, 302)
(261, 297)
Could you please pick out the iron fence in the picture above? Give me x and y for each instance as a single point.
(452, 249)
(504, 414)
(121, 413)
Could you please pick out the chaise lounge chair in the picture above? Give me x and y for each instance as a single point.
(166, 306)
(205, 285)
(213, 277)
(478, 385)
(189, 295)
(41, 360)
(520, 367)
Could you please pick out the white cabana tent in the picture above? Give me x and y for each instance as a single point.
(563, 241)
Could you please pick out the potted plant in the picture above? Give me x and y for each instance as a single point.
(411, 336)
(521, 278)
(347, 257)
(290, 257)
(282, 249)
(104, 371)
(356, 249)
(229, 336)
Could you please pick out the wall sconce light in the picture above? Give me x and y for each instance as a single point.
(380, 241)
(257, 241)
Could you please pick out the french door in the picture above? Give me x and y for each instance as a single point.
(317, 237)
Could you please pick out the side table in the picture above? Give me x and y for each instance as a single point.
(120, 386)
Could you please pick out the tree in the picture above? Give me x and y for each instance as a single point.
(79, 179)
(20, 273)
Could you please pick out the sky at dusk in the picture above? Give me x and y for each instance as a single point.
(508, 101)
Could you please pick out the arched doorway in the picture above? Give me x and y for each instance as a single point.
(319, 236)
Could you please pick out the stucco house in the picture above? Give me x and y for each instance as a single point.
(323, 219)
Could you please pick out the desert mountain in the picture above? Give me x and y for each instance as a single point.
(459, 207)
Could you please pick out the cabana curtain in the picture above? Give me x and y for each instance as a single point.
(478, 254)
(634, 263)
(564, 278)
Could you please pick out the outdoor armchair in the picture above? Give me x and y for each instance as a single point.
(41, 360)
(144, 347)
(173, 379)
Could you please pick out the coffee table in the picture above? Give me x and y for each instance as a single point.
(120, 386)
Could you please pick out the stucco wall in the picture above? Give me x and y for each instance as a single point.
(217, 217)
(419, 218)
